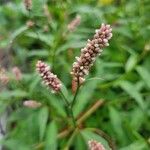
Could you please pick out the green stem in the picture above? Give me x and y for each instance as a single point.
(64, 98)
(72, 104)
(69, 108)
(73, 118)
(71, 139)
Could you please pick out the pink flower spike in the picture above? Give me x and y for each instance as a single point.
(48, 77)
(89, 54)
(74, 23)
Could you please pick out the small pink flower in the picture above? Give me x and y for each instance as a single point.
(28, 4)
(17, 72)
(30, 23)
(31, 104)
(48, 77)
(94, 145)
(74, 23)
(4, 79)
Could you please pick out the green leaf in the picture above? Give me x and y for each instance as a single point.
(130, 89)
(116, 122)
(65, 92)
(47, 39)
(57, 103)
(131, 62)
(14, 93)
(43, 118)
(11, 144)
(34, 83)
(71, 44)
(51, 137)
(145, 75)
(79, 142)
(37, 7)
(138, 145)
(38, 53)
(137, 115)
(18, 32)
(83, 98)
(123, 31)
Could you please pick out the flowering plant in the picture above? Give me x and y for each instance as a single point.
(84, 102)
(80, 68)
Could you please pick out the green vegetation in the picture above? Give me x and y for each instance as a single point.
(112, 107)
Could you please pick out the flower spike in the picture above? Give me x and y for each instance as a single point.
(48, 77)
(89, 53)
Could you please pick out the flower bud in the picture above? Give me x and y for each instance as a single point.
(28, 4)
(31, 104)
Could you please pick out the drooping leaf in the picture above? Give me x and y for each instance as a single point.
(42, 118)
(16, 93)
(131, 62)
(131, 90)
(116, 122)
(138, 145)
(17, 33)
(51, 137)
(145, 75)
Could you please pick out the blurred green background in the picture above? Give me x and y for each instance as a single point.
(123, 71)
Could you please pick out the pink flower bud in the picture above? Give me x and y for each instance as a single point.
(31, 104)
(30, 23)
(16, 71)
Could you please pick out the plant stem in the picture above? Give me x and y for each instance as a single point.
(72, 116)
(69, 108)
(92, 109)
(71, 139)
(72, 104)
(66, 131)
(64, 98)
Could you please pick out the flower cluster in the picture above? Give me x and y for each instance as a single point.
(31, 104)
(17, 73)
(28, 4)
(74, 23)
(30, 23)
(94, 145)
(48, 77)
(4, 79)
(88, 54)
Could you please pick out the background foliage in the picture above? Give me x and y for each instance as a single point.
(124, 68)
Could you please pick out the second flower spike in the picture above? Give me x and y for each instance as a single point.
(48, 77)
